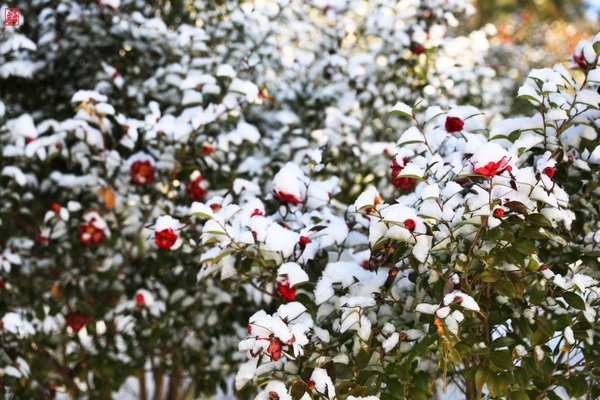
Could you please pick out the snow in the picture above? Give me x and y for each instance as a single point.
(15, 173)
(15, 323)
(293, 273)
(425, 308)
(568, 334)
(402, 109)
(274, 386)
(390, 342)
(323, 383)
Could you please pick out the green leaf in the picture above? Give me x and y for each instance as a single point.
(525, 247)
(421, 379)
(298, 389)
(201, 215)
(362, 359)
(306, 373)
(358, 391)
(535, 233)
(403, 372)
(538, 293)
(574, 300)
(505, 288)
(345, 387)
(539, 219)
(481, 376)
(343, 371)
(417, 393)
(505, 378)
(216, 233)
(579, 386)
(395, 388)
(331, 371)
(545, 325)
(518, 396)
(493, 384)
(503, 341)
(539, 337)
(373, 384)
(496, 257)
(502, 360)
(515, 257)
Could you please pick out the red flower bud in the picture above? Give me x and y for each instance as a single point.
(139, 299)
(166, 238)
(409, 224)
(55, 207)
(287, 292)
(257, 213)
(304, 240)
(549, 171)
(454, 124)
(498, 213)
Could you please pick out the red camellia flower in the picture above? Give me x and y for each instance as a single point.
(142, 172)
(549, 171)
(274, 349)
(287, 197)
(195, 191)
(409, 224)
(401, 182)
(166, 238)
(494, 168)
(454, 124)
(139, 299)
(89, 233)
(579, 58)
(77, 320)
(287, 292)
(257, 213)
(498, 212)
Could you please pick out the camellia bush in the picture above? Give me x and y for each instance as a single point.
(292, 200)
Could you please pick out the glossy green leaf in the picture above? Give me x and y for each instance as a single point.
(481, 376)
(574, 300)
(373, 385)
(395, 388)
(540, 220)
(525, 247)
(579, 386)
(417, 393)
(362, 359)
(298, 389)
(502, 359)
(518, 395)
(538, 293)
(502, 341)
(545, 325)
(493, 384)
(345, 387)
(505, 288)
